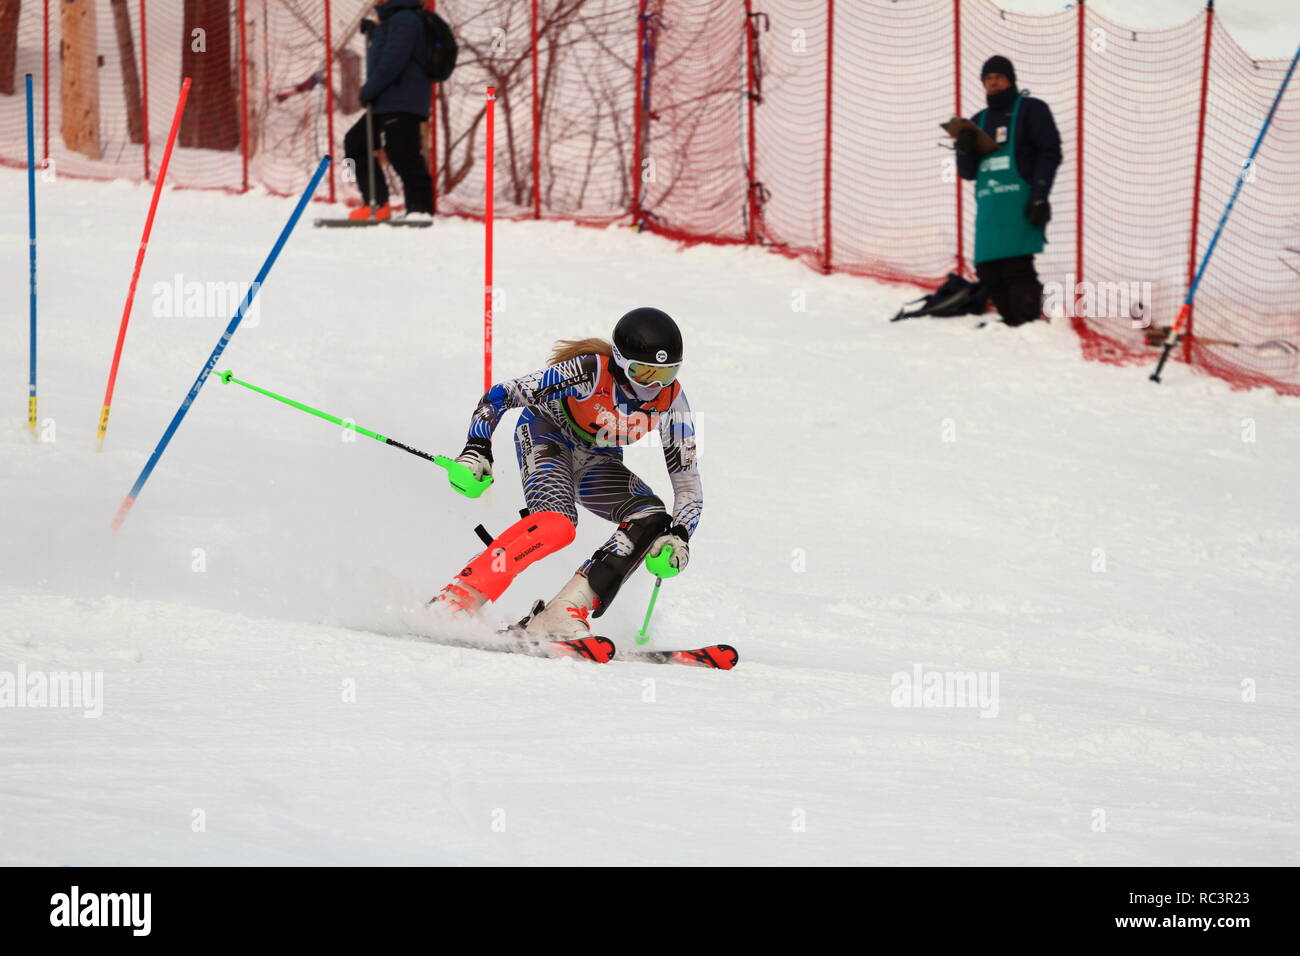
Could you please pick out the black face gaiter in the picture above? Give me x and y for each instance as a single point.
(1003, 99)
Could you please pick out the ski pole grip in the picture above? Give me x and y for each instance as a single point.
(660, 564)
(461, 478)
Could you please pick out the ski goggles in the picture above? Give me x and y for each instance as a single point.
(648, 373)
(645, 374)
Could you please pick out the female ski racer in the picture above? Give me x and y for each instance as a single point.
(592, 398)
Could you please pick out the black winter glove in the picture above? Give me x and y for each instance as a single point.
(480, 445)
(966, 142)
(1038, 212)
(367, 26)
(675, 537)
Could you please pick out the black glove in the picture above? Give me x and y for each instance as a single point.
(367, 26)
(477, 457)
(967, 141)
(677, 538)
(480, 445)
(1038, 212)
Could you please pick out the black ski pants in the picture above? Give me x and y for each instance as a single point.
(398, 135)
(1013, 286)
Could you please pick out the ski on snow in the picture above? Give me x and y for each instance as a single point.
(721, 657)
(602, 650)
(357, 223)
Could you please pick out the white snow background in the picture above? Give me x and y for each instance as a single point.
(878, 496)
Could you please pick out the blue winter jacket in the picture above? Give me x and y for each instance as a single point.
(395, 81)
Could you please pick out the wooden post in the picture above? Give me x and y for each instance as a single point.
(9, 45)
(80, 81)
(243, 94)
(212, 116)
(130, 72)
(329, 91)
(144, 83)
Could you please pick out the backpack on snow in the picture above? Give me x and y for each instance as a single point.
(437, 56)
(957, 296)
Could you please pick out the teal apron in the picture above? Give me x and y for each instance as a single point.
(1001, 197)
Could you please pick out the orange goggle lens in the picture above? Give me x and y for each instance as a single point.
(644, 374)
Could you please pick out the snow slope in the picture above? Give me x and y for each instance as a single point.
(878, 496)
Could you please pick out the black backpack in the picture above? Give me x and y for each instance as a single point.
(438, 55)
(957, 296)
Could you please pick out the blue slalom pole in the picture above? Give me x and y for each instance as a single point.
(211, 363)
(1185, 312)
(31, 255)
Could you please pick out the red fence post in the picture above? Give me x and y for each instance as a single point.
(243, 96)
(1200, 152)
(45, 87)
(751, 93)
(329, 90)
(489, 192)
(636, 116)
(1076, 321)
(956, 72)
(144, 87)
(537, 125)
(433, 129)
(826, 174)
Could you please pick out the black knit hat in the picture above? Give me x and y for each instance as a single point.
(999, 64)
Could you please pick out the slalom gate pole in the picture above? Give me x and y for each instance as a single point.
(139, 262)
(487, 239)
(220, 347)
(455, 470)
(1185, 312)
(31, 259)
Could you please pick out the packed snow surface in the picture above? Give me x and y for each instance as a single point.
(1115, 564)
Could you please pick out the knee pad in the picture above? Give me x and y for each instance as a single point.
(607, 570)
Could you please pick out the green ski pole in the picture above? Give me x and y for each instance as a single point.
(659, 565)
(461, 478)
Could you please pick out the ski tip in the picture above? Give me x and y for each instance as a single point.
(721, 657)
(725, 657)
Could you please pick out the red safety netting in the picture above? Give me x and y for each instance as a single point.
(807, 126)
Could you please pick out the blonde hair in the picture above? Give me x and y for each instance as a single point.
(566, 349)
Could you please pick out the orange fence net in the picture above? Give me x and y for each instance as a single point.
(806, 126)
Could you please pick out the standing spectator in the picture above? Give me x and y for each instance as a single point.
(397, 91)
(1011, 187)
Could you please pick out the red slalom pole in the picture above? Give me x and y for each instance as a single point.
(487, 248)
(139, 262)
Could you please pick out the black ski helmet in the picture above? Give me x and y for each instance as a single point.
(648, 335)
